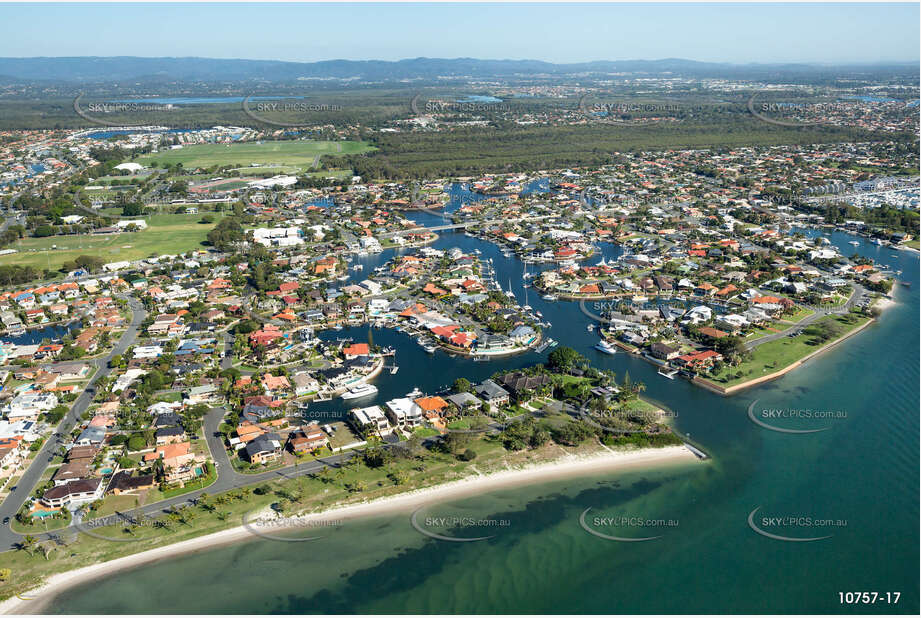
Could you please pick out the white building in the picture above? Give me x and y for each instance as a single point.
(404, 412)
(126, 379)
(28, 406)
(373, 416)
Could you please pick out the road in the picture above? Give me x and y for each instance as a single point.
(33, 473)
(857, 295)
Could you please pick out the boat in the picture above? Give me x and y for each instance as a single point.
(665, 372)
(854, 242)
(528, 308)
(358, 267)
(480, 359)
(549, 297)
(604, 346)
(413, 394)
(394, 369)
(548, 343)
(357, 392)
(430, 348)
(590, 327)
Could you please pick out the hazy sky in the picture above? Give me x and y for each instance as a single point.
(553, 32)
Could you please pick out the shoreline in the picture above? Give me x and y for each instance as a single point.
(725, 391)
(607, 460)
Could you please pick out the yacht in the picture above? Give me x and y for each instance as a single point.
(549, 297)
(415, 393)
(361, 390)
(358, 267)
(430, 348)
(604, 346)
(854, 242)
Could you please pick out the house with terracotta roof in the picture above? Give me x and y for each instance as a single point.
(307, 440)
(355, 350)
(272, 383)
(699, 360)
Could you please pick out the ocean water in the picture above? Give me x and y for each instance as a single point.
(855, 482)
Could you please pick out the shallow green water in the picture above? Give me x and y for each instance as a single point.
(862, 471)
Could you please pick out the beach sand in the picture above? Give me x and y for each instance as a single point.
(605, 461)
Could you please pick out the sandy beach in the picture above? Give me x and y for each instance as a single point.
(573, 466)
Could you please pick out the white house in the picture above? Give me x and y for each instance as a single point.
(29, 405)
(404, 412)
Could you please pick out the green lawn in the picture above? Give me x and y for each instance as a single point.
(38, 526)
(304, 494)
(166, 234)
(300, 154)
(774, 355)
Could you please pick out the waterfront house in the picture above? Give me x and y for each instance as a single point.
(492, 393)
(372, 418)
(72, 493)
(307, 440)
(123, 483)
(404, 412)
(663, 352)
(263, 448)
(464, 401)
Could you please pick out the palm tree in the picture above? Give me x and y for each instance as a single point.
(28, 544)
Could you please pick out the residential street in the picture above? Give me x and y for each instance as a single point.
(31, 476)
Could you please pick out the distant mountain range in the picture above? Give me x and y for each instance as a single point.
(109, 69)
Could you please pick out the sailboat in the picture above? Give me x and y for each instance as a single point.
(510, 293)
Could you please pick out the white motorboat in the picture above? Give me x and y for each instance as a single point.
(549, 297)
(362, 390)
(604, 346)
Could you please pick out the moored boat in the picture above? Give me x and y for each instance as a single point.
(604, 346)
(357, 392)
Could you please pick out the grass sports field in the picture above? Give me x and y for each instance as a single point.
(300, 154)
(165, 234)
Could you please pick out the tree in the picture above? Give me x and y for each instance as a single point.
(132, 209)
(564, 359)
(455, 442)
(28, 543)
(136, 442)
(462, 385)
(399, 477)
